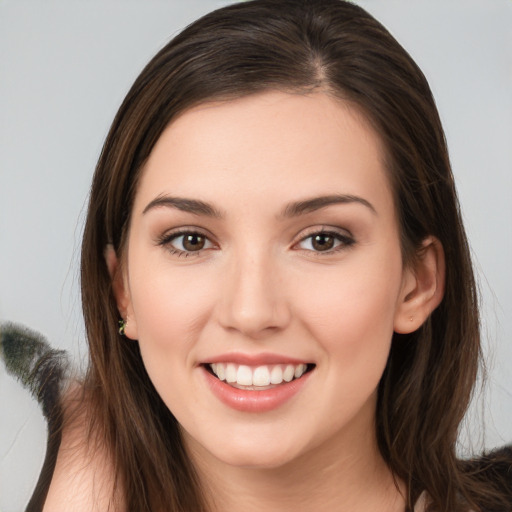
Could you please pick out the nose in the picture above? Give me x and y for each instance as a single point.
(254, 299)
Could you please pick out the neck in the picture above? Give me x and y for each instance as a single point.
(342, 475)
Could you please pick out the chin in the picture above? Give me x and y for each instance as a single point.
(257, 458)
(247, 451)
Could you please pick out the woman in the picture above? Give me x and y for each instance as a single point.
(274, 221)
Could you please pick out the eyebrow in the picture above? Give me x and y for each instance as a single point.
(294, 209)
(194, 206)
(316, 203)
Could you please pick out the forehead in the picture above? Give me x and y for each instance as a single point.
(266, 147)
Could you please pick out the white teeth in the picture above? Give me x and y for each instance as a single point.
(276, 375)
(230, 372)
(289, 373)
(220, 371)
(259, 376)
(299, 370)
(244, 376)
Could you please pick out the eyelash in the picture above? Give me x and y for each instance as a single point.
(168, 238)
(346, 241)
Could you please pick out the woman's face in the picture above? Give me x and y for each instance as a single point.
(264, 277)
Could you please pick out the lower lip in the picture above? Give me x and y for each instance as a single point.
(254, 400)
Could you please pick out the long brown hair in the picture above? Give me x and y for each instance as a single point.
(298, 46)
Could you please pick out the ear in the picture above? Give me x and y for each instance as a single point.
(121, 291)
(422, 287)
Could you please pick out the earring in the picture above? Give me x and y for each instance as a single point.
(411, 318)
(122, 326)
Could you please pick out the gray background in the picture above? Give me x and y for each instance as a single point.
(64, 69)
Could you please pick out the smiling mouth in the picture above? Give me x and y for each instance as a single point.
(261, 377)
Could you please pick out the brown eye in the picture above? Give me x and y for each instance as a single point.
(193, 242)
(326, 242)
(186, 243)
(322, 242)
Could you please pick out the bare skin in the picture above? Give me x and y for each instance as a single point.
(332, 476)
(83, 477)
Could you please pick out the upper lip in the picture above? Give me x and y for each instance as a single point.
(254, 359)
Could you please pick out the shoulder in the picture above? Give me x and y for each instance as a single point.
(83, 478)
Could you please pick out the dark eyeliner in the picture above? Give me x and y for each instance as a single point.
(347, 241)
(165, 240)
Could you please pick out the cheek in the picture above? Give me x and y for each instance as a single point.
(350, 311)
(350, 316)
(170, 307)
